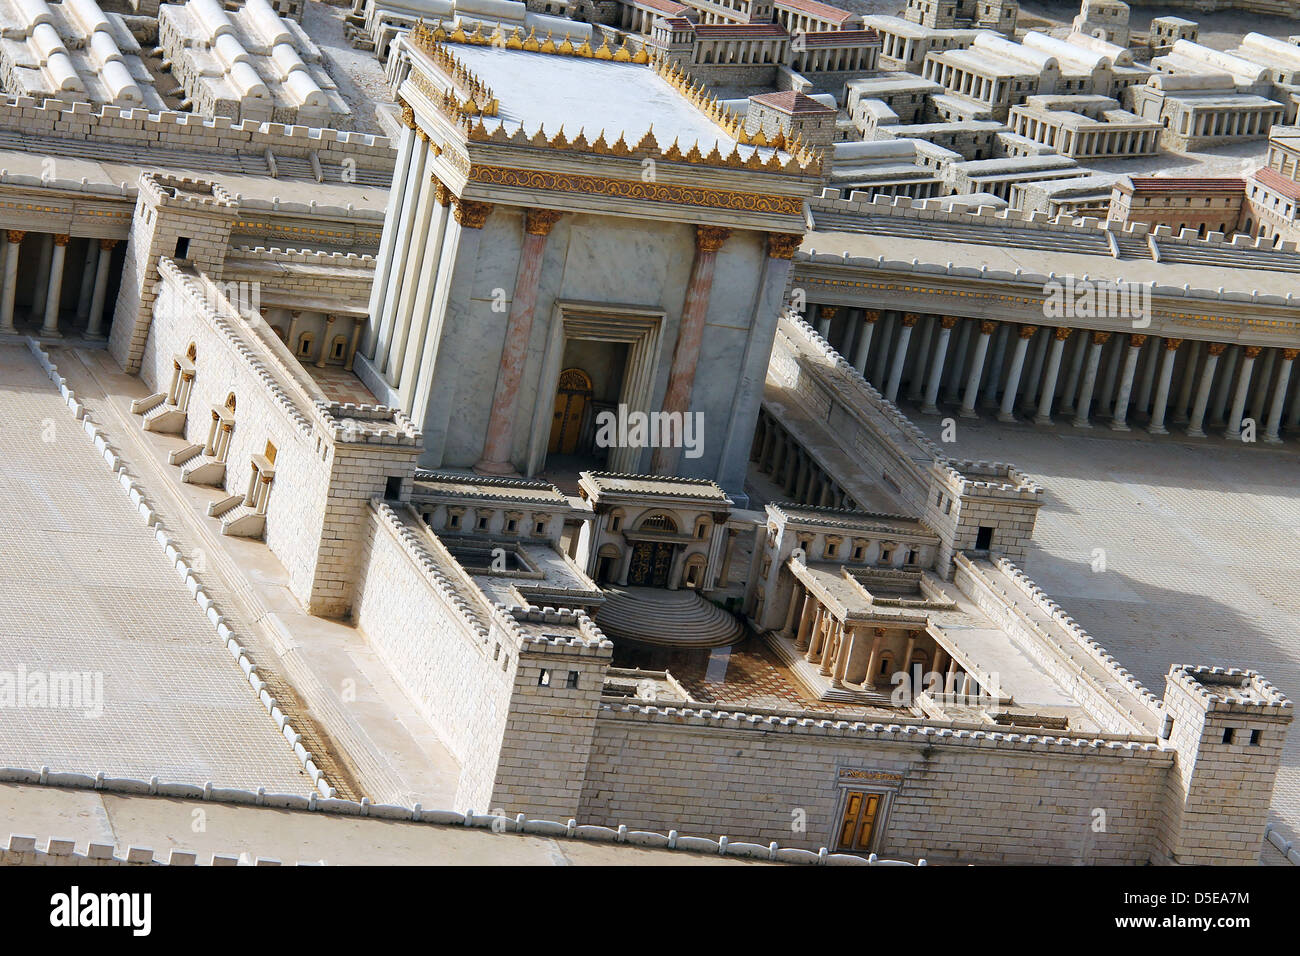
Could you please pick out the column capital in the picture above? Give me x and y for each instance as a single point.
(988, 327)
(827, 311)
(421, 135)
(949, 321)
(16, 235)
(1171, 345)
(539, 222)
(1252, 351)
(1061, 333)
(871, 316)
(710, 238)
(910, 319)
(782, 245)
(1100, 338)
(1217, 348)
(105, 244)
(1289, 355)
(1137, 341)
(61, 240)
(470, 213)
(408, 115)
(441, 192)
(1027, 331)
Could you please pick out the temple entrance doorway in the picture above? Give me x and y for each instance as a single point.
(571, 401)
(652, 561)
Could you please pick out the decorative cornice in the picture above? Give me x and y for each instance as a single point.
(632, 189)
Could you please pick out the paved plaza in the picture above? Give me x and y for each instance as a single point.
(1195, 547)
(87, 590)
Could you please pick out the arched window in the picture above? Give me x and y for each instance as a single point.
(608, 560)
(659, 522)
(304, 344)
(693, 572)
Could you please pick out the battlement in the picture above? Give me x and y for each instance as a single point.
(364, 424)
(988, 479)
(186, 192)
(1230, 690)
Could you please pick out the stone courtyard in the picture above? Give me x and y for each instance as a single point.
(87, 590)
(1199, 542)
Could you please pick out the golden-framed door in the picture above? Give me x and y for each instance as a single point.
(571, 399)
(858, 822)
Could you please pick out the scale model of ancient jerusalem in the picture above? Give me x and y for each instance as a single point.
(590, 414)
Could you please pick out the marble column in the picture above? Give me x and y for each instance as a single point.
(1044, 416)
(390, 250)
(1196, 426)
(44, 249)
(994, 377)
(1119, 421)
(15, 237)
(1187, 384)
(1223, 394)
(1166, 377)
(1249, 354)
(825, 315)
(519, 329)
(54, 291)
(869, 319)
(1258, 400)
(1034, 376)
(952, 390)
(986, 331)
(900, 355)
(87, 280)
(690, 334)
(324, 353)
(415, 266)
(916, 385)
(1023, 334)
(408, 246)
(931, 406)
(1273, 433)
(1071, 387)
(883, 334)
(1106, 395)
(95, 320)
(873, 660)
(1097, 341)
(1147, 379)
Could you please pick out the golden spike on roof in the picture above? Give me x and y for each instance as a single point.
(548, 45)
(585, 50)
(713, 156)
(600, 146)
(531, 44)
(558, 141)
(774, 162)
(458, 35)
(778, 140)
(477, 38)
(620, 147)
(759, 138)
(566, 46)
(693, 154)
(515, 40)
(580, 141)
(439, 32)
(673, 151)
(754, 161)
(540, 139)
(621, 55)
(648, 141)
(603, 51)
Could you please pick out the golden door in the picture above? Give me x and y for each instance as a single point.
(571, 400)
(859, 821)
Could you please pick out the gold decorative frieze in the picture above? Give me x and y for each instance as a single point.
(634, 189)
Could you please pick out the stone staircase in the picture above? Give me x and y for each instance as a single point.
(159, 415)
(198, 468)
(666, 618)
(238, 519)
(819, 687)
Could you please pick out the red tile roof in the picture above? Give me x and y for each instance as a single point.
(1272, 179)
(1178, 184)
(663, 6)
(739, 31)
(841, 38)
(822, 11)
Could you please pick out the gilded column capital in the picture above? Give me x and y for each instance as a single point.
(710, 238)
(16, 235)
(1100, 338)
(408, 115)
(1217, 348)
(470, 213)
(539, 222)
(441, 193)
(871, 316)
(910, 319)
(949, 321)
(988, 327)
(782, 245)
(1289, 355)
(107, 244)
(1171, 345)
(1027, 331)
(1137, 341)
(1062, 333)
(827, 311)
(61, 240)
(1252, 351)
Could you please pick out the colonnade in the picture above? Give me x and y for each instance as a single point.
(47, 313)
(778, 455)
(1050, 374)
(864, 655)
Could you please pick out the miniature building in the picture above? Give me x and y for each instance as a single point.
(997, 15)
(1085, 127)
(792, 115)
(1166, 31)
(1105, 19)
(252, 65)
(1204, 205)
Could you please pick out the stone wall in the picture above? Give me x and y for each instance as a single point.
(961, 795)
